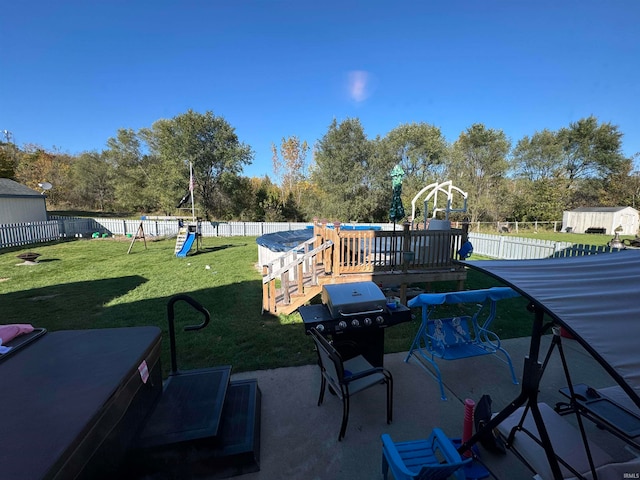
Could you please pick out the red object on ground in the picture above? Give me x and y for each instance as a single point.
(468, 423)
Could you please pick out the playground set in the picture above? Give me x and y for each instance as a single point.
(188, 236)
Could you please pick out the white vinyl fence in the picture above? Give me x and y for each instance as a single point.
(67, 227)
(514, 248)
(494, 246)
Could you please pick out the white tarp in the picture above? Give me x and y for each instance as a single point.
(595, 297)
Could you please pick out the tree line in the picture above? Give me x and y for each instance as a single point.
(347, 177)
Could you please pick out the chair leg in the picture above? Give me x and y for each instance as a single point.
(389, 399)
(345, 416)
(385, 467)
(323, 383)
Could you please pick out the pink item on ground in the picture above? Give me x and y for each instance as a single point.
(468, 423)
(9, 332)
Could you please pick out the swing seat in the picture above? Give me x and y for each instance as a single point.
(454, 338)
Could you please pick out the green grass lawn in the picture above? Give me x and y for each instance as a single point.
(95, 284)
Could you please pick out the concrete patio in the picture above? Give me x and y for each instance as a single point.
(299, 439)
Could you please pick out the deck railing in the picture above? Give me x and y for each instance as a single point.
(365, 251)
(290, 272)
(335, 252)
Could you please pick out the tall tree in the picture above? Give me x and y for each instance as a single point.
(36, 165)
(210, 144)
(422, 151)
(591, 150)
(531, 201)
(539, 156)
(133, 171)
(267, 206)
(8, 160)
(341, 163)
(93, 181)
(479, 166)
(289, 166)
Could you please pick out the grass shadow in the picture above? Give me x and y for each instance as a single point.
(237, 334)
(54, 307)
(217, 248)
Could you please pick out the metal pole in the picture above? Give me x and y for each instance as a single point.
(191, 186)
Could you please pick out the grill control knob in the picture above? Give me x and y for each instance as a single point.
(379, 319)
(355, 322)
(320, 328)
(367, 322)
(341, 325)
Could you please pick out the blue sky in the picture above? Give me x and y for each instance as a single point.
(73, 72)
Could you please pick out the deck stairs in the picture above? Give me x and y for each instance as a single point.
(293, 280)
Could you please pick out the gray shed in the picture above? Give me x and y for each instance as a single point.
(20, 204)
(601, 219)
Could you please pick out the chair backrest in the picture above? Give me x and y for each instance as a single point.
(330, 359)
(447, 332)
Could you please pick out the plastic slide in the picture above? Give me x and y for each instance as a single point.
(186, 246)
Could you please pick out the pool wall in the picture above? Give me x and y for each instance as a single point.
(274, 246)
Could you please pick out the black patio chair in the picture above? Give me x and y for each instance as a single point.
(349, 377)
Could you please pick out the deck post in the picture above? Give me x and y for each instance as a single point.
(265, 290)
(465, 230)
(406, 245)
(316, 233)
(337, 249)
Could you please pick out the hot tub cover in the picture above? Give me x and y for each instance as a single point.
(595, 297)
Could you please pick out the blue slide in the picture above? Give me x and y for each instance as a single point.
(186, 246)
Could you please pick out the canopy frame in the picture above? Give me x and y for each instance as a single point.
(541, 304)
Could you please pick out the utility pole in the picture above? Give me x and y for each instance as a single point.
(8, 163)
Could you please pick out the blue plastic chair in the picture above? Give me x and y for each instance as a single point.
(458, 337)
(435, 458)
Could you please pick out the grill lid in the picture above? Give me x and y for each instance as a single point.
(353, 298)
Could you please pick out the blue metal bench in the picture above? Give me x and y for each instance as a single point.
(454, 338)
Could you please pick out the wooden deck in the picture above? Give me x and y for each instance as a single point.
(335, 255)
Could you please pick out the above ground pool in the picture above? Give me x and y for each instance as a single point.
(272, 245)
(284, 241)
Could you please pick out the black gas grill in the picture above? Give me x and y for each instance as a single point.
(354, 316)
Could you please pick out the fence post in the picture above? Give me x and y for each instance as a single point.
(61, 227)
(501, 247)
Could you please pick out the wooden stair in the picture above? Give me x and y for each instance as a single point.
(298, 281)
(296, 300)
